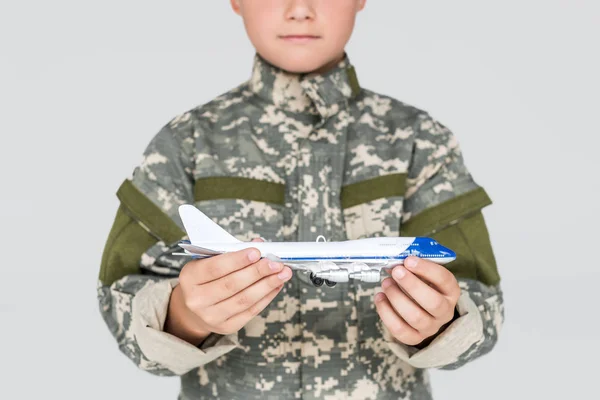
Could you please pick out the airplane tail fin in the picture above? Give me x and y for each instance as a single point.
(202, 229)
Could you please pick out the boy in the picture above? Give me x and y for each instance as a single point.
(300, 150)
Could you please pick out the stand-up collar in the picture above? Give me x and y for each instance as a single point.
(305, 93)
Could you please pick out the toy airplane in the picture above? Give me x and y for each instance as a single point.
(327, 262)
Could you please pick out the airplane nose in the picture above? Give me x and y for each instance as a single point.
(447, 250)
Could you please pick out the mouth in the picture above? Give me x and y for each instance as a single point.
(299, 38)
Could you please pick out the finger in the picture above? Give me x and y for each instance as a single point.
(210, 269)
(440, 277)
(401, 330)
(236, 322)
(243, 300)
(406, 308)
(230, 285)
(260, 239)
(424, 295)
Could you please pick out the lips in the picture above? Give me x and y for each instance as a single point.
(299, 38)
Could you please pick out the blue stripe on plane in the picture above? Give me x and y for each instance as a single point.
(401, 257)
(341, 258)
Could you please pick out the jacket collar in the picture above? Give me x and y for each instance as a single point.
(324, 93)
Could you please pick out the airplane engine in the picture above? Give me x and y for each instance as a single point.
(339, 275)
(370, 276)
(326, 266)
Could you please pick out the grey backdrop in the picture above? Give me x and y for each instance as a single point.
(85, 85)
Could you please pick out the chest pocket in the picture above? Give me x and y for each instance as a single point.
(373, 207)
(247, 208)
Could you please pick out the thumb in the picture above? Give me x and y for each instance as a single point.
(260, 239)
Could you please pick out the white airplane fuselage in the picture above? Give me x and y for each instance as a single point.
(361, 259)
(369, 250)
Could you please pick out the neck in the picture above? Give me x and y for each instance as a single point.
(328, 66)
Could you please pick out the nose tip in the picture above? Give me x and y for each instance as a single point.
(447, 250)
(300, 11)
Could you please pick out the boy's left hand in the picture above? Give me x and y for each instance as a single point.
(418, 300)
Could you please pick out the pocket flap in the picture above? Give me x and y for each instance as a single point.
(231, 187)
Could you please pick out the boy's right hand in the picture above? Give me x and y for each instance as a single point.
(222, 293)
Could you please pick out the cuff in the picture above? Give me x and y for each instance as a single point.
(149, 311)
(450, 344)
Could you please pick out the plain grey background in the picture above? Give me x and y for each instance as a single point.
(85, 85)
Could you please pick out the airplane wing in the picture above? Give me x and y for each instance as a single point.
(194, 256)
(322, 266)
(320, 271)
(197, 250)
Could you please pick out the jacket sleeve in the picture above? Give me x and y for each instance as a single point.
(444, 202)
(138, 270)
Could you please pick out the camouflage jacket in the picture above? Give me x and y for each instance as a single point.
(289, 158)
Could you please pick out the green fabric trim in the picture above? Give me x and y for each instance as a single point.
(470, 240)
(353, 80)
(138, 225)
(476, 234)
(148, 214)
(438, 217)
(372, 189)
(229, 187)
(465, 265)
(126, 243)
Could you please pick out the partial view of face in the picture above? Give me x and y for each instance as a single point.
(299, 36)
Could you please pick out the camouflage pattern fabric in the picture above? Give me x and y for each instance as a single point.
(314, 137)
